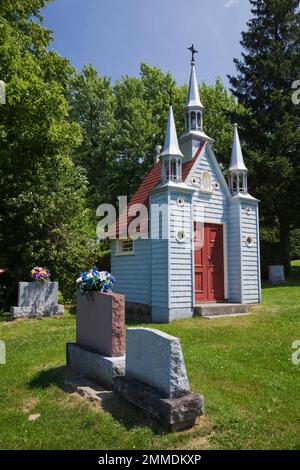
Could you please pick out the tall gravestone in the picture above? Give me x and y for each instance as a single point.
(99, 351)
(156, 380)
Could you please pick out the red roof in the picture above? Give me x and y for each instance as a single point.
(151, 180)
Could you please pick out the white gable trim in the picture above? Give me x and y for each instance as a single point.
(215, 164)
(189, 176)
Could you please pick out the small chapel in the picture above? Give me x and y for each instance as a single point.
(202, 242)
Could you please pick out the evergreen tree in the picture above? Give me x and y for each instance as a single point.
(269, 66)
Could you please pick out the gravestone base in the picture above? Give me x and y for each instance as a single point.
(35, 312)
(93, 365)
(175, 414)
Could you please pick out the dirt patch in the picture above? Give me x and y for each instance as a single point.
(29, 405)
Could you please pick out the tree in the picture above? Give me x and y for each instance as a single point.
(43, 216)
(122, 125)
(141, 115)
(269, 66)
(220, 111)
(92, 106)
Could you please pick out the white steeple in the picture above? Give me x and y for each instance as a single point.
(171, 156)
(237, 160)
(237, 172)
(193, 98)
(193, 110)
(171, 146)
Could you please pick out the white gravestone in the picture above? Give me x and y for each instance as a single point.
(2, 353)
(37, 299)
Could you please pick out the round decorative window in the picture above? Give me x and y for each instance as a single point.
(216, 185)
(194, 181)
(180, 201)
(248, 211)
(249, 241)
(181, 236)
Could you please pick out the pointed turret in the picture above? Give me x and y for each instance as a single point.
(237, 159)
(193, 116)
(193, 109)
(237, 172)
(193, 98)
(171, 156)
(171, 146)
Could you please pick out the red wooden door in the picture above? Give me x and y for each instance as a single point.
(209, 263)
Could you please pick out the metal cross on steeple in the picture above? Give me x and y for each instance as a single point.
(193, 51)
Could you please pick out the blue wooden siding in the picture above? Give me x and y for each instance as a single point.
(250, 254)
(133, 272)
(159, 261)
(180, 257)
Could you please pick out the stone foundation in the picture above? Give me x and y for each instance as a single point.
(136, 311)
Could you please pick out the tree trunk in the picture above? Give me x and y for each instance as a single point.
(285, 245)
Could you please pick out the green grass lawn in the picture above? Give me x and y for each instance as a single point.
(241, 365)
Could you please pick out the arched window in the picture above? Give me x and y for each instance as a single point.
(186, 121)
(193, 120)
(199, 123)
(173, 174)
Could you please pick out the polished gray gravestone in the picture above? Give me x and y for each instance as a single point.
(37, 300)
(99, 351)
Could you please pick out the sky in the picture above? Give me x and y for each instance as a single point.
(115, 36)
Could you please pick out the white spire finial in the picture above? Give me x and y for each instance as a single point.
(193, 99)
(171, 146)
(237, 160)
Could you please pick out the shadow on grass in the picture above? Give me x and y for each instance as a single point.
(122, 411)
(71, 309)
(46, 378)
(4, 317)
(292, 280)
